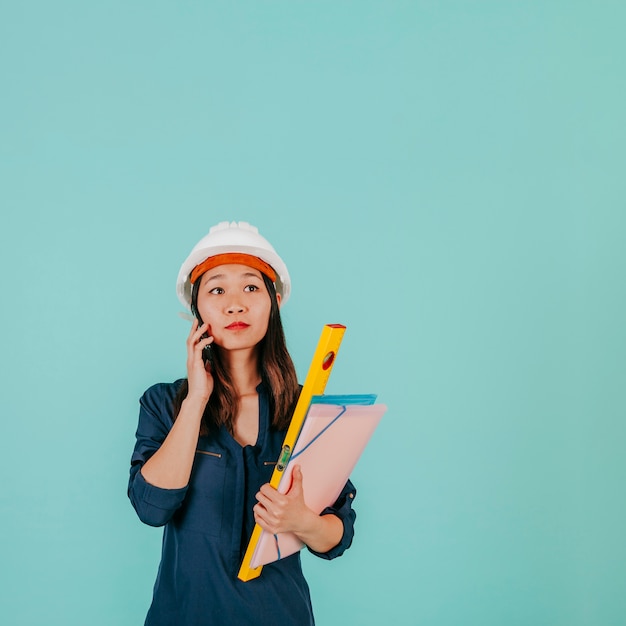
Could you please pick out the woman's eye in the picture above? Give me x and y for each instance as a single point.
(216, 290)
(251, 288)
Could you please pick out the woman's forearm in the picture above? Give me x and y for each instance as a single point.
(321, 533)
(170, 466)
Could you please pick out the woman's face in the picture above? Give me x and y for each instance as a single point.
(235, 303)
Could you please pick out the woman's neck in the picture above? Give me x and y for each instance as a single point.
(243, 367)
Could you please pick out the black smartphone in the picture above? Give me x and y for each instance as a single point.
(207, 352)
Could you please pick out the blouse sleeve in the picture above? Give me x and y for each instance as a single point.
(342, 508)
(154, 505)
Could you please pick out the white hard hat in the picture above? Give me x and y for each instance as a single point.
(238, 237)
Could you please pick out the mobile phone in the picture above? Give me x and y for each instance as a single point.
(207, 352)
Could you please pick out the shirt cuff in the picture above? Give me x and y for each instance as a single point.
(155, 505)
(343, 510)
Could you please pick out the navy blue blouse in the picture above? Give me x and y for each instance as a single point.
(208, 524)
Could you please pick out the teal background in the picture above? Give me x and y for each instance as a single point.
(445, 178)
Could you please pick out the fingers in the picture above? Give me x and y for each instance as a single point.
(296, 478)
(196, 332)
(262, 519)
(199, 373)
(194, 328)
(274, 502)
(271, 504)
(198, 339)
(266, 517)
(276, 512)
(265, 496)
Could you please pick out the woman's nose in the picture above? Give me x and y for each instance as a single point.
(234, 308)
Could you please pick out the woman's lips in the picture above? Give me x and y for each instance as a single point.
(237, 326)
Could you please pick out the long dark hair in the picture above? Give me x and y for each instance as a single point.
(276, 368)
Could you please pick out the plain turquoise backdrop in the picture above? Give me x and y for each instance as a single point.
(445, 178)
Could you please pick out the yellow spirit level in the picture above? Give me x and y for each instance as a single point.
(314, 385)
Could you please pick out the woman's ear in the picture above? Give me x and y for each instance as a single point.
(278, 299)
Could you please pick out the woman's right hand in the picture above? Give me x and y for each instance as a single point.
(170, 466)
(198, 373)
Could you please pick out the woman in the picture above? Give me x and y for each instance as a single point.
(207, 445)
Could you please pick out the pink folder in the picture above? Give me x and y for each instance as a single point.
(333, 436)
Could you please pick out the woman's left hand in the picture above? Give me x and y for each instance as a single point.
(279, 513)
